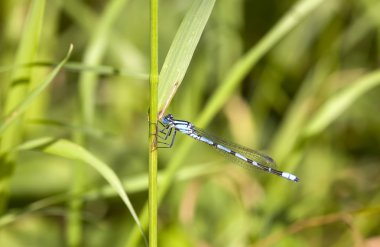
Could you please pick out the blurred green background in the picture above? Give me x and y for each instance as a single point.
(310, 102)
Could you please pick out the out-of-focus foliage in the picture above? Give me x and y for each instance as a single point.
(311, 101)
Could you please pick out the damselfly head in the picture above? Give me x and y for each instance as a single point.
(167, 119)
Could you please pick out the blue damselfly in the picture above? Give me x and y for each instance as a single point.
(248, 157)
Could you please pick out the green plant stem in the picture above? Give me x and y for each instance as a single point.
(88, 83)
(153, 124)
(20, 82)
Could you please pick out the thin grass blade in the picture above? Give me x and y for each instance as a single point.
(237, 73)
(181, 51)
(23, 105)
(93, 55)
(338, 103)
(73, 151)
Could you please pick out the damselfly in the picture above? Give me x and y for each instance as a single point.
(248, 157)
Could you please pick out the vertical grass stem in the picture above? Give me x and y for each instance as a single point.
(153, 124)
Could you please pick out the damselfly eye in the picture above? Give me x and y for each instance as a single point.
(167, 118)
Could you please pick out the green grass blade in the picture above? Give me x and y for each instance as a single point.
(338, 103)
(298, 112)
(19, 84)
(88, 83)
(93, 56)
(73, 151)
(181, 51)
(245, 64)
(84, 17)
(26, 53)
(101, 70)
(23, 105)
(71, 128)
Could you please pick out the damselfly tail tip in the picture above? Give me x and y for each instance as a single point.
(290, 176)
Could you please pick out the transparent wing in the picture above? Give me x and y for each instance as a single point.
(254, 155)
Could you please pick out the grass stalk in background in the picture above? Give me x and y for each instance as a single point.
(238, 72)
(17, 90)
(153, 82)
(18, 110)
(101, 70)
(70, 150)
(87, 89)
(339, 102)
(94, 55)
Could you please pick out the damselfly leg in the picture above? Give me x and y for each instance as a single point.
(166, 133)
